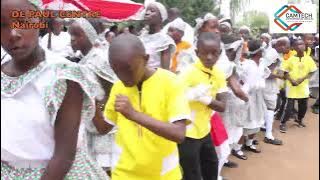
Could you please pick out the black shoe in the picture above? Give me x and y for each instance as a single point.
(283, 128)
(300, 124)
(272, 141)
(263, 129)
(230, 164)
(315, 110)
(255, 142)
(249, 148)
(235, 153)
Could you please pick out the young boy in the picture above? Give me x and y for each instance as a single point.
(206, 90)
(149, 108)
(297, 70)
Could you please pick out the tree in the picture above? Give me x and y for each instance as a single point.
(236, 6)
(190, 9)
(257, 21)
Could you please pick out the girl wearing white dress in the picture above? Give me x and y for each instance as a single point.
(44, 100)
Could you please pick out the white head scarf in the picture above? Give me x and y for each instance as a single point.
(88, 30)
(245, 28)
(271, 57)
(178, 24)
(160, 7)
(267, 36)
(201, 21)
(226, 24)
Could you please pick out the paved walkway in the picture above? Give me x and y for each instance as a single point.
(297, 159)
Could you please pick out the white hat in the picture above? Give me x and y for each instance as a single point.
(271, 57)
(178, 23)
(161, 8)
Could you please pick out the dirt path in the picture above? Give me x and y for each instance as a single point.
(297, 159)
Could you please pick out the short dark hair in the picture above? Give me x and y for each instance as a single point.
(205, 36)
(254, 44)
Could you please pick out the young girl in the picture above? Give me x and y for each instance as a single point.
(83, 38)
(253, 78)
(183, 55)
(234, 115)
(159, 45)
(45, 97)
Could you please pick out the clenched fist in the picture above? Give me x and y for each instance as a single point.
(123, 106)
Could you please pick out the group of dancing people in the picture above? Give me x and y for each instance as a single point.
(170, 103)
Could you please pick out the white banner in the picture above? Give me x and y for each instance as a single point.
(293, 18)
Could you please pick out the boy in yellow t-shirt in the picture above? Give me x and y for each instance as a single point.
(149, 109)
(206, 90)
(298, 70)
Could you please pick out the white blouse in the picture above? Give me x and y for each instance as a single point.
(30, 104)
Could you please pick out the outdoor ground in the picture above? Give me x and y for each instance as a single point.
(297, 159)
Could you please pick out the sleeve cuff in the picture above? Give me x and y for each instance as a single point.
(179, 118)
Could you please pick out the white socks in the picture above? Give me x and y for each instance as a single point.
(268, 117)
(249, 142)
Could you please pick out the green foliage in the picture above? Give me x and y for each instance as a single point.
(191, 9)
(257, 21)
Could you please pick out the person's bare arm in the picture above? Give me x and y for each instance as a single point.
(299, 81)
(171, 131)
(219, 104)
(236, 89)
(287, 77)
(102, 126)
(65, 134)
(165, 59)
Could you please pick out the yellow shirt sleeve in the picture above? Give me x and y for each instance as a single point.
(220, 82)
(177, 103)
(109, 111)
(285, 65)
(312, 65)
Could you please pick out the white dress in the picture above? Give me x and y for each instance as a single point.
(233, 116)
(253, 77)
(60, 44)
(100, 146)
(30, 104)
(155, 44)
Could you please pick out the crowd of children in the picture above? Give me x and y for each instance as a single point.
(166, 103)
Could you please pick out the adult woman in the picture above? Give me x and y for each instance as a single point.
(158, 45)
(84, 38)
(44, 98)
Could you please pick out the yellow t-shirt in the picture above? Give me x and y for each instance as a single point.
(140, 153)
(200, 114)
(298, 68)
(306, 53)
(286, 57)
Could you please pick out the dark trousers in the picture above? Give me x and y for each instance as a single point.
(281, 101)
(316, 104)
(289, 108)
(198, 159)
